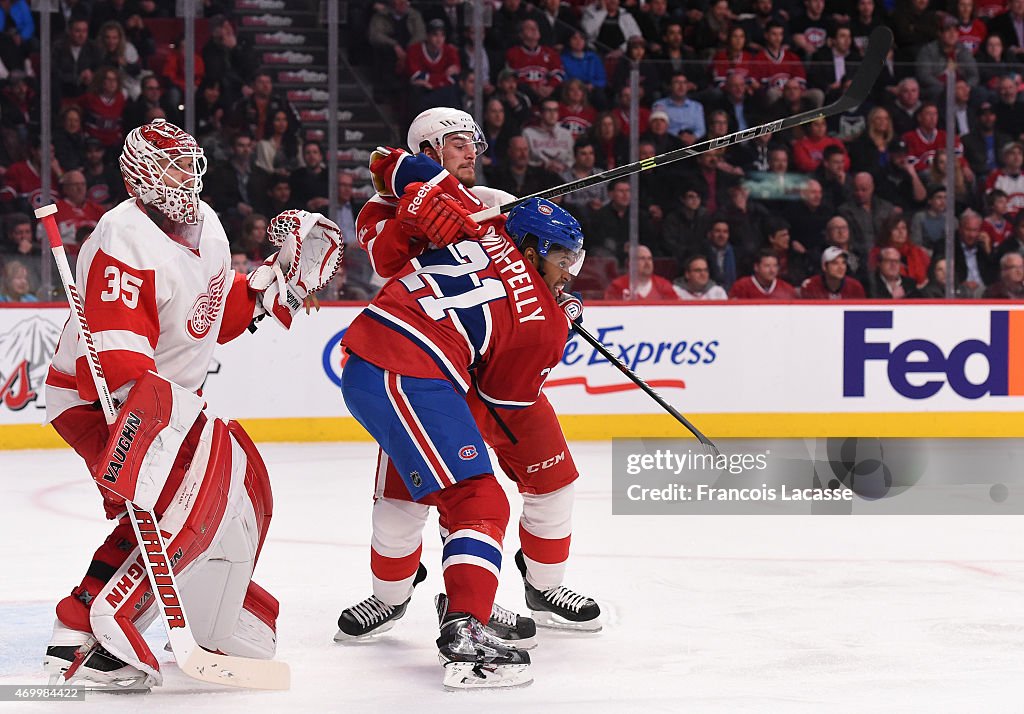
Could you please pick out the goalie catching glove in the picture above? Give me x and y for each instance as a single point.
(311, 250)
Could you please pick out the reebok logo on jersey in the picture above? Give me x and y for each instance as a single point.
(467, 453)
(207, 306)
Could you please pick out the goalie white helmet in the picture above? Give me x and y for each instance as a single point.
(433, 125)
(163, 167)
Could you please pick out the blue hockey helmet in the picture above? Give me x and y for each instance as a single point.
(553, 226)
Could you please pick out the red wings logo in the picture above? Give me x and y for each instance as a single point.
(207, 306)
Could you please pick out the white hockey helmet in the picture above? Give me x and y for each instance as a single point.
(151, 151)
(433, 125)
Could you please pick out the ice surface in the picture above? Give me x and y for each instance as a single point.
(772, 614)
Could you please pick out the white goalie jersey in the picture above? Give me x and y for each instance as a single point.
(152, 303)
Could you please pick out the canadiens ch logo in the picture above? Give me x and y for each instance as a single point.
(467, 453)
(207, 307)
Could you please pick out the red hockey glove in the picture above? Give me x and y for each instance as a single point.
(426, 211)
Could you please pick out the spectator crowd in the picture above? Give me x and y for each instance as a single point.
(849, 207)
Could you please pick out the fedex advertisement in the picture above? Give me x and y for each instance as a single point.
(746, 365)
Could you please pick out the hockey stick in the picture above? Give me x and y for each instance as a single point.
(606, 353)
(871, 66)
(192, 659)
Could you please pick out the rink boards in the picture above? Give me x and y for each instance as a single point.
(799, 370)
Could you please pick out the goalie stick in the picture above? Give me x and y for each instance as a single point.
(635, 378)
(871, 66)
(192, 659)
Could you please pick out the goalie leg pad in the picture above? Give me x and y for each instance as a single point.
(191, 519)
(257, 482)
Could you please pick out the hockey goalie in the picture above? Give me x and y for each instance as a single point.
(159, 294)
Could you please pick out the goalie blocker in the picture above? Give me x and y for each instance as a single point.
(211, 494)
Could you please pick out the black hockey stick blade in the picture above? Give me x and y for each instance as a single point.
(633, 377)
(874, 57)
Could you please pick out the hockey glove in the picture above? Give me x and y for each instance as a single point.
(311, 249)
(425, 210)
(572, 305)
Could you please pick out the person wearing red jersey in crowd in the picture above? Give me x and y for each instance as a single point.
(433, 66)
(765, 283)
(538, 68)
(159, 295)
(809, 150)
(104, 107)
(621, 110)
(733, 59)
(913, 258)
(695, 283)
(927, 139)
(996, 225)
(971, 30)
(832, 283)
(22, 184)
(775, 65)
(575, 112)
(648, 285)
(1009, 178)
(75, 210)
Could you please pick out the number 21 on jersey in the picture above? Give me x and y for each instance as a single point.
(454, 280)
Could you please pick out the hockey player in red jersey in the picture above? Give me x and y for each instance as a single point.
(528, 442)
(159, 295)
(482, 315)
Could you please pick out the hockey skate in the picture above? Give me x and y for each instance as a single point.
(90, 665)
(512, 629)
(474, 659)
(373, 617)
(559, 608)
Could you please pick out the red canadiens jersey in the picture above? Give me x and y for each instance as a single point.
(972, 35)
(474, 306)
(775, 70)
(577, 120)
(73, 217)
(151, 304)
(921, 150)
(437, 72)
(541, 66)
(722, 65)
